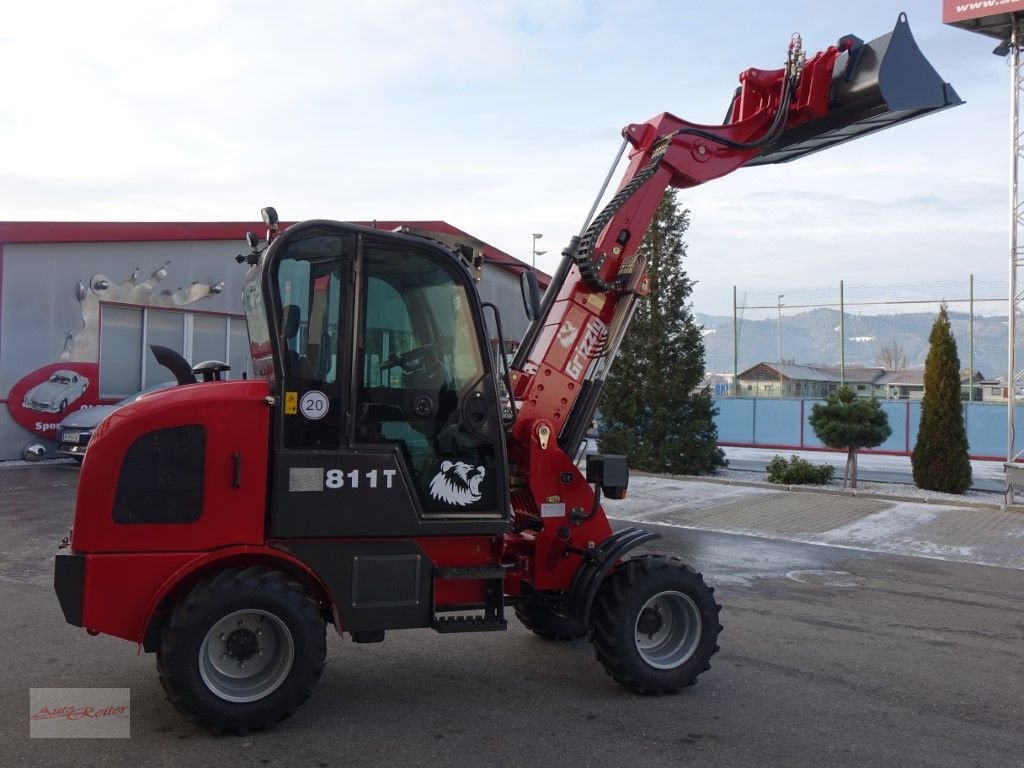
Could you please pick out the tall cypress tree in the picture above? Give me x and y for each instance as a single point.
(940, 459)
(653, 410)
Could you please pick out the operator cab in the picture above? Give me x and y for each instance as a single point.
(374, 343)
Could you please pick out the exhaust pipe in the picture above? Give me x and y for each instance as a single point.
(875, 85)
(174, 362)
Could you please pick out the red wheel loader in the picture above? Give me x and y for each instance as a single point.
(366, 477)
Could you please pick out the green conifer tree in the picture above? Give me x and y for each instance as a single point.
(844, 421)
(653, 409)
(940, 459)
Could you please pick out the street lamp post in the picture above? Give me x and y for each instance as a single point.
(781, 297)
(534, 253)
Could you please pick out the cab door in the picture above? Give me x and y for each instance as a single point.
(387, 423)
(423, 382)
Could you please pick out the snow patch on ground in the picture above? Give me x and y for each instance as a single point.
(898, 530)
(16, 463)
(947, 527)
(868, 488)
(824, 578)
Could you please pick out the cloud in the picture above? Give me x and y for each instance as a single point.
(501, 118)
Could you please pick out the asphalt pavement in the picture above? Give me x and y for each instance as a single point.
(859, 631)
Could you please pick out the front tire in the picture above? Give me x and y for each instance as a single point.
(242, 650)
(655, 625)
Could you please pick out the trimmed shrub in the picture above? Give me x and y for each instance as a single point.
(798, 471)
(847, 422)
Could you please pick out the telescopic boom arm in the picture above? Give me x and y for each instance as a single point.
(839, 94)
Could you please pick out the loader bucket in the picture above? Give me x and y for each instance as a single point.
(875, 85)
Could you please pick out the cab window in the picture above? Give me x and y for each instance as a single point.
(310, 290)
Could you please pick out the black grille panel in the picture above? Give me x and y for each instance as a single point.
(384, 581)
(161, 477)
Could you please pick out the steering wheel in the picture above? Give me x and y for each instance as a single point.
(412, 360)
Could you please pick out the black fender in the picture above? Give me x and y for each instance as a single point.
(598, 563)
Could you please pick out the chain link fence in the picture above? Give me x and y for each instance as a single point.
(847, 326)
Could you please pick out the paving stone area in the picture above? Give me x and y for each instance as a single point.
(978, 534)
(740, 508)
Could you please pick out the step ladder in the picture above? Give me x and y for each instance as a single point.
(493, 618)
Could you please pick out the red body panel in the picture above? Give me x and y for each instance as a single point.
(460, 551)
(122, 591)
(119, 590)
(237, 420)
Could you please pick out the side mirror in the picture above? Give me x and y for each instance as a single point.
(531, 294)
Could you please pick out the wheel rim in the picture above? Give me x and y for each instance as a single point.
(667, 630)
(246, 655)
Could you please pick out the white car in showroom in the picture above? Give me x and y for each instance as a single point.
(56, 393)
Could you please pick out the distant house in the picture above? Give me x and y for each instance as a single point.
(993, 391)
(863, 381)
(772, 380)
(806, 381)
(901, 385)
(909, 385)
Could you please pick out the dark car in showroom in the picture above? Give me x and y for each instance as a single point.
(74, 431)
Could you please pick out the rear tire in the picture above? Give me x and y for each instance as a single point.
(654, 625)
(547, 624)
(242, 650)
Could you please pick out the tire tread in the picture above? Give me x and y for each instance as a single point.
(204, 597)
(611, 628)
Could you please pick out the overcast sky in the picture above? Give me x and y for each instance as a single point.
(501, 117)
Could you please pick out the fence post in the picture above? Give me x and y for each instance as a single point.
(906, 425)
(802, 401)
(970, 343)
(842, 337)
(735, 348)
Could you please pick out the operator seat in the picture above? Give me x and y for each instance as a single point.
(296, 366)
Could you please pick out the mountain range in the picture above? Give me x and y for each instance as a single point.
(812, 338)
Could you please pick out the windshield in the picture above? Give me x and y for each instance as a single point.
(256, 324)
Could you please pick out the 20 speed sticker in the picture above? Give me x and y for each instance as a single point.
(314, 404)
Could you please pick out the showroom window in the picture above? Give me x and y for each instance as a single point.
(126, 363)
